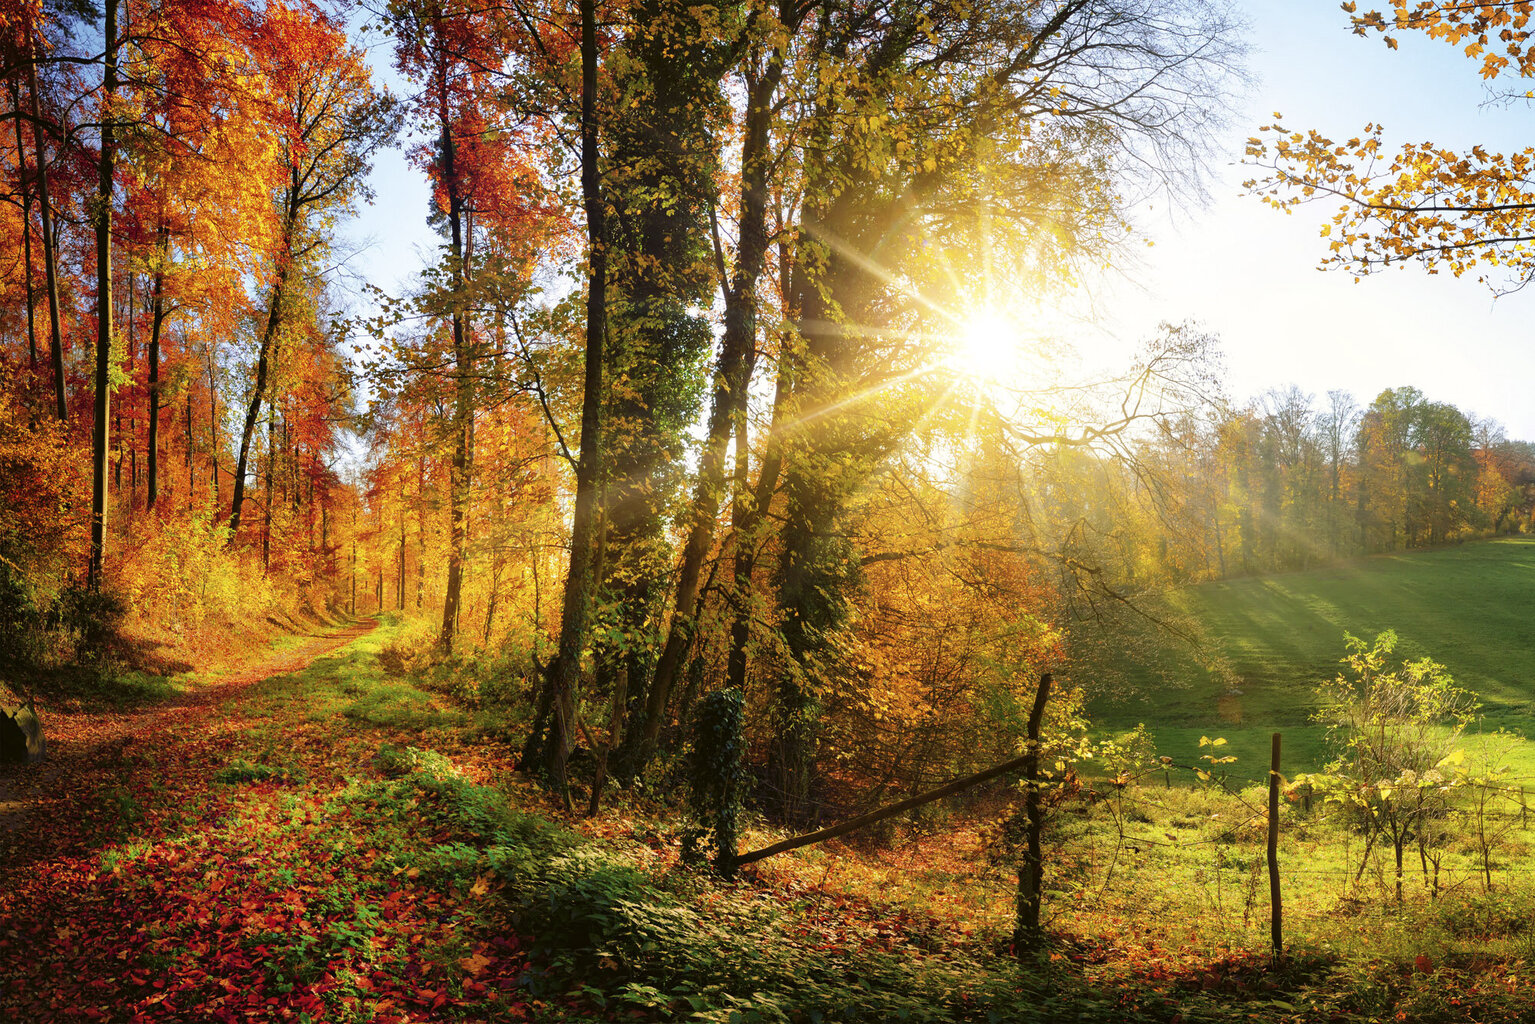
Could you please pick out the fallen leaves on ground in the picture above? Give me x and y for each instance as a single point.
(135, 887)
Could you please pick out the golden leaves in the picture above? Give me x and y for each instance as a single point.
(1443, 209)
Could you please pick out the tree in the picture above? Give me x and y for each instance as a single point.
(102, 220)
(1445, 472)
(329, 121)
(1008, 122)
(660, 168)
(1462, 212)
(580, 576)
(1394, 729)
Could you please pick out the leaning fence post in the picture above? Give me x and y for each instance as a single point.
(1276, 930)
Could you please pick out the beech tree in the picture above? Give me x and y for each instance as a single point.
(1006, 118)
(1464, 212)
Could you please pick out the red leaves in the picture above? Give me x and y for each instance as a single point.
(268, 903)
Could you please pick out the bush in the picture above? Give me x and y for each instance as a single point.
(88, 620)
(20, 623)
(409, 649)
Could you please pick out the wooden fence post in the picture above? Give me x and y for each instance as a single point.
(1031, 873)
(1276, 908)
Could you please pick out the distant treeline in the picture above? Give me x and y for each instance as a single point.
(1288, 482)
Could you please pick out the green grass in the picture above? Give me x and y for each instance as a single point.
(1270, 639)
(359, 800)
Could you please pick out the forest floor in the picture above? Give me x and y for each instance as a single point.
(304, 836)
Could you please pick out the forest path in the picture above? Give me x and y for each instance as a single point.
(267, 846)
(44, 806)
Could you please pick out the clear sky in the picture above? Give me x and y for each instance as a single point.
(1245, 271)
(1248, 272)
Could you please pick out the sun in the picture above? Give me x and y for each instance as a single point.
(984, 347)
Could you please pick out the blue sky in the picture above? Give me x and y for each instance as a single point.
(1248, 272)
(1245, 271)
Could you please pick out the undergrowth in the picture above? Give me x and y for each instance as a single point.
(352, 843)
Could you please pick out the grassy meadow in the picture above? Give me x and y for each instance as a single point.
(1266, 641)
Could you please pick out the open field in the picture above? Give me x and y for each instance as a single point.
(1271, 638)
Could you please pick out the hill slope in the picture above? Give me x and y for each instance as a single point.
(1269, 639)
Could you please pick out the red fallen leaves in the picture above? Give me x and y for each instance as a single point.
(223, 904)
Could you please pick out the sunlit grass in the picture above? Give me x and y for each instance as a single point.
(1466, 607)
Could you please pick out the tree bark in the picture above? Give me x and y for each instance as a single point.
(271, 457)
(45, 221)
(400, 589)
(191, 481)
(253, 411)
(1031, 873)
(156, 321)
(463, 390)
(105, 170)
(213, 426)
(731, 380)
(26, 240)
(576, 606)
(749, 514)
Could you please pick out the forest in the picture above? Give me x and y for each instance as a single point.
(694, 592)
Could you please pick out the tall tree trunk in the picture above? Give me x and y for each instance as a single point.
(576, 606)
(26, 241)
(213, 426)
(731, 381)
(253, 411)
(127, 315)
(191, 482)
(45, 221)
(105, 170)
(156, 321)
(420, 530)
(463, 390)
(400, 602)
(271, 457)
(749, 514)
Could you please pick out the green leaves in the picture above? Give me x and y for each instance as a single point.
(718, 777)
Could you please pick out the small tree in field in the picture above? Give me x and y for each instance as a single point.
(1395, 729)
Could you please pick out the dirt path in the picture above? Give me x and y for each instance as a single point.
(87, 751)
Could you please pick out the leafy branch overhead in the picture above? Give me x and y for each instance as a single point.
(1464, 212)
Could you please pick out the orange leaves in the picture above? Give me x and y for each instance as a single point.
(1438, 207)
(1475, 27)
(1444, 210)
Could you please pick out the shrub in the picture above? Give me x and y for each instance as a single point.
(88, 620)
(408, 649)
(20, 623)
(1396, 730)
